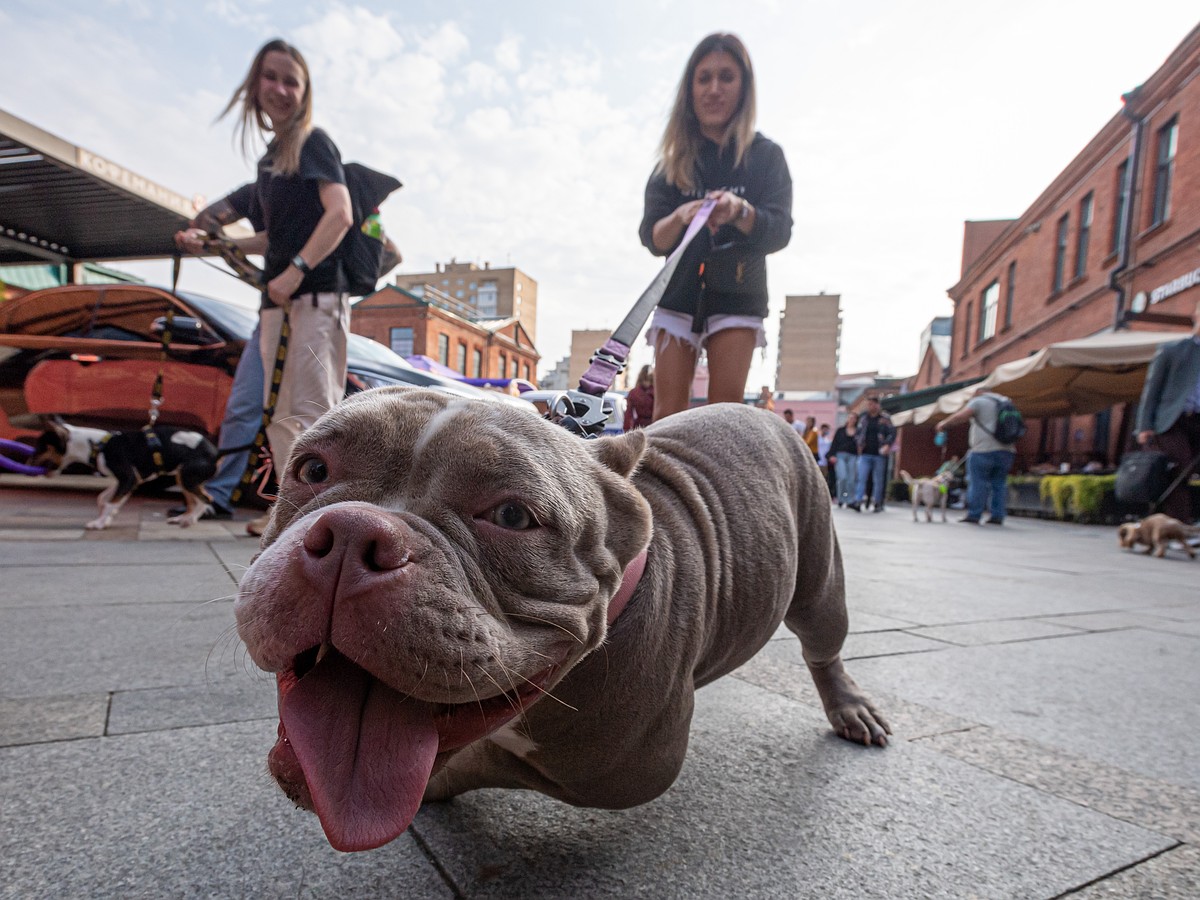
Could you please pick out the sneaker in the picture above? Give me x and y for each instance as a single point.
(854, 506)
(257, 526)
(994, 521)
(215, 511)
(969, 521)
(877, 508)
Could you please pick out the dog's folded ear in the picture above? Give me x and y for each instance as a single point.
(620, 453)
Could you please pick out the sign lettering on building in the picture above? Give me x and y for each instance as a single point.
(135, 184)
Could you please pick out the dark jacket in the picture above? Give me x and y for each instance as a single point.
(843, 444)
(734, 279)
(1170, 381)
(873, 432)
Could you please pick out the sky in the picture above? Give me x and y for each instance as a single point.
(524, 132)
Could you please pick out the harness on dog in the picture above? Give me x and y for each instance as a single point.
(584, 411)
(97, 446)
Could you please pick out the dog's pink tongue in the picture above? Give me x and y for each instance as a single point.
(366, 752)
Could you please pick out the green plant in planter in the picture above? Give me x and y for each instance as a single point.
(1077, 496)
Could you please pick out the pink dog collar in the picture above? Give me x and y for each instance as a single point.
(629, 582)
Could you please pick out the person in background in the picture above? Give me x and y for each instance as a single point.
(766, 400)
(790, 418)
(244, 406)
(716, 300)
(843, 451)
(639, 402)
(824, 442)
(988, 460)
(875, 434)
(810, 435)
(306, 211)
(1169, 412)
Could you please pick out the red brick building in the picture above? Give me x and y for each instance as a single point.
(1112, 242)
(433, 325)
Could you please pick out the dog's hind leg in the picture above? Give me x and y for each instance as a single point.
(196, 497)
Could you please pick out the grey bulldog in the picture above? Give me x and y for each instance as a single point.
(456, 595)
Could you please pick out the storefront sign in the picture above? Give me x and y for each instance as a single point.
(135, 184)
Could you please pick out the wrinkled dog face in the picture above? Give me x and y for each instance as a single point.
(432, 567)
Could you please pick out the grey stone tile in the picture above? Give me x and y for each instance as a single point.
(1116, 620)
(103, 552)
(1174, 874)
(233, 699)
(1151, 803)
(770, 804)
(979, 633)
(53, 651)
(33, 720)
(1124, 698)
(108, 585)
(185, 813)
(888, 643)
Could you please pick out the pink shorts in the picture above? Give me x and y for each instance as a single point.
(667, 324)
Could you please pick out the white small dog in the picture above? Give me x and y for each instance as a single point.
(928, 492)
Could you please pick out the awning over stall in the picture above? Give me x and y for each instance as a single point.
(1074, 377)
(62, 204)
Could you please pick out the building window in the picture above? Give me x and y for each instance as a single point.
(476, 364)
(461, 365)
(1084, 235)
(503, 365)
(989, 305)
(444, 349)
(525, 371)
(1009, 291)
(1119, 208)
(514, 367)
(1060, 253)
(967, 331)
(488, 297)
(401, 341)
(1164, 169)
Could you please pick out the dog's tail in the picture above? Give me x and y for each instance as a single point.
(905, 477)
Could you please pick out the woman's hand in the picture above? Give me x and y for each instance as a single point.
(282, 286)
(731, 209)
(191, 240)
(686, 212)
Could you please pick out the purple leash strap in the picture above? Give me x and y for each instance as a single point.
(607, 362)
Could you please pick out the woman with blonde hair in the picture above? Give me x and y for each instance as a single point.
(302, 210)
(717, 299)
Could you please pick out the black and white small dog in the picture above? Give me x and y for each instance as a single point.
(132, 458)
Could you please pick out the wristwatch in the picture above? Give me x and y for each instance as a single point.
(745, 213)
(299, 263)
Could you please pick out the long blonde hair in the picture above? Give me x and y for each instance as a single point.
(290, 135)
(680, 147)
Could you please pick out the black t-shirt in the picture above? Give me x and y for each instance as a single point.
(291, 207)
(734, 279)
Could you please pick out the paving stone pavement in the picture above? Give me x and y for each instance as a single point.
(1042, 685)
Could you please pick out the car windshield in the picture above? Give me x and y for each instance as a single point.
(236, 321)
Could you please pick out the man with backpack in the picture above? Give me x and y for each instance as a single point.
(996, 425)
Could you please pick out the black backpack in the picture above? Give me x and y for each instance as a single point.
(362, 249)
(1010, 424)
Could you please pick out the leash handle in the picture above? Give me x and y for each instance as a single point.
(609, 361)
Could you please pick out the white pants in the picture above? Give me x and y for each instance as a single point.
(314, 374)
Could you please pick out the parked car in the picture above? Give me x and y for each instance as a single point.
(616, 419)
(91, 353)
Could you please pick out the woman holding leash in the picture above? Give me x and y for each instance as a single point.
(716, 301)
(306, 211)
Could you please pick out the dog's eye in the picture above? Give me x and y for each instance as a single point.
(312, 471)
(512, 516)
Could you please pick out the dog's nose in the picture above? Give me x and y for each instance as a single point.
(354, 541)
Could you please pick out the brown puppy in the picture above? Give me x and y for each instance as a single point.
(457, 595)
(927, 492)
(1156, 532)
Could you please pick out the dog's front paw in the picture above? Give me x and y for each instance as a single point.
(96, 525)
(850, 712)
(182, 521)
